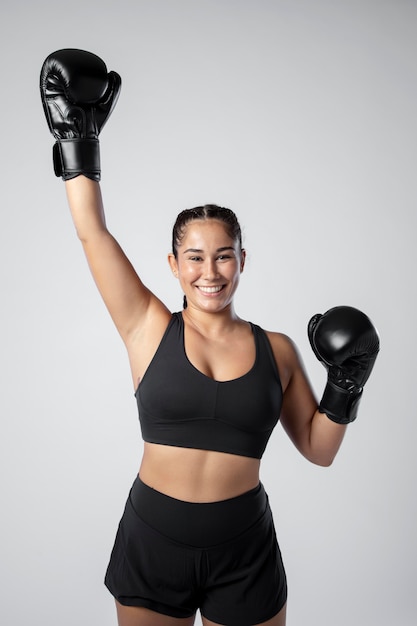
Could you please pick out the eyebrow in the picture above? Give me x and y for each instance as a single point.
(197, 250)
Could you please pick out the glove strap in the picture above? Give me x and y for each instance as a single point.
(73, 157)
(340, 405)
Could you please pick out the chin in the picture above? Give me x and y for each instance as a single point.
(215, 307)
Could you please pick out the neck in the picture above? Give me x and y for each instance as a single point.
(211, 323)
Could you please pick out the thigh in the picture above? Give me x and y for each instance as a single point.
(246, 581)
(139, 616)
(278, 620)
(149, 571)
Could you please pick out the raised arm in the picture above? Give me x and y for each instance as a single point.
(78, 96)
(127, 299)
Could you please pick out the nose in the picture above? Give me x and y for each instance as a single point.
(210, 270)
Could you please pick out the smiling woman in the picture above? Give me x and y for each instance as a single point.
(197, 532)
(207, 254)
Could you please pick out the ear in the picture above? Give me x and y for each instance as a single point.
(242, 259)
(173, 264)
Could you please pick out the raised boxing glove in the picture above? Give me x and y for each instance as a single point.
(347, 344)
(78, 96)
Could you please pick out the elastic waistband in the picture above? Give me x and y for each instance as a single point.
(198, 524)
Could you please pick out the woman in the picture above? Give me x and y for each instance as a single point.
(197, 531)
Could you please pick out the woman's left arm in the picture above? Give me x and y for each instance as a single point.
(346, 342)
(313, 433)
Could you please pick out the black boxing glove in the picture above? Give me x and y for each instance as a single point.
(78, 96)
(347, 344)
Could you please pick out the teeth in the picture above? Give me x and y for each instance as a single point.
(210, 289)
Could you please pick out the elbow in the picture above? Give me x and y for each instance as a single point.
(89, 236)
(322, 460)
(325, 463)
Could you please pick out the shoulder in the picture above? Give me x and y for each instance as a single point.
(282, 344)
(286, 355)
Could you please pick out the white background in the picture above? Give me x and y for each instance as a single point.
(299, 115)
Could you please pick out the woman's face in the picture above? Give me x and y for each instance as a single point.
(208, 265)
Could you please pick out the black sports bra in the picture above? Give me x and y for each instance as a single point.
(180, 406)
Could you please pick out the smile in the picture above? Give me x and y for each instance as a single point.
(211, 289)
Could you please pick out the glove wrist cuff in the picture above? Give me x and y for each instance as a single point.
(340, 405)
(73, 157)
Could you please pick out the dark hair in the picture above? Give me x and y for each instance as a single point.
(208, 211)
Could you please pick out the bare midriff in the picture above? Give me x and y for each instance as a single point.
(197, 475)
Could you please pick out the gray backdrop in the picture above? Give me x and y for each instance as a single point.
(301, 116)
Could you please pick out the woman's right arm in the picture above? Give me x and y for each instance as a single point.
(131, 305)
(78, 96)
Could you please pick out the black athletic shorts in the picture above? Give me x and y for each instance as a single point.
(175, 557)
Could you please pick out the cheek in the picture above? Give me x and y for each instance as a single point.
(236, 271)
(187, 272)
